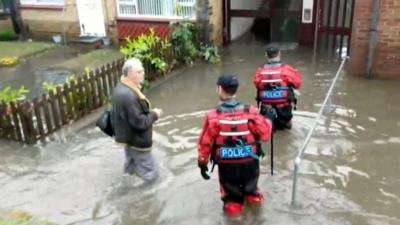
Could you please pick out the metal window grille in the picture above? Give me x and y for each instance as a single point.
(165, 9)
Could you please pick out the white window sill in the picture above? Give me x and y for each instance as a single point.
(42, 6)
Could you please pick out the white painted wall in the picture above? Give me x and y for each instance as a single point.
(240, 25)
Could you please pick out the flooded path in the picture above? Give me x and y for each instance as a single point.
(349, 174)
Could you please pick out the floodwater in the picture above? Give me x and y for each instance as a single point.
(32, 72)
(349, 174)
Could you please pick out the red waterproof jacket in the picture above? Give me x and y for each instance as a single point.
(229, 133)
(274, 83)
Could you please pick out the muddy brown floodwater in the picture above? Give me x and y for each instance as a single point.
(349, 175)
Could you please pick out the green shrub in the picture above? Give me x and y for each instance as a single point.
(144, 49)
(185, 40)
(145, 85)
(7, 35)
(49, 87)
(211, 54)
(9, 95)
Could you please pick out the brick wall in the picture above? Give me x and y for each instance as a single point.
(387, 54)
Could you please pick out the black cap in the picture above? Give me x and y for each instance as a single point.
(271, 51)
(228, 81)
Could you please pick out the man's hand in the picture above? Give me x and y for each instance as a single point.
(158, 111)
(260, 151)
(203, 171)
(296, 92)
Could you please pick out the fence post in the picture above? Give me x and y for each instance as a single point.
(104, 81)
(61, 105)
(17, 135)
(92, 85)
(39, 121)
(110, 77)
(54, 110)
(2, 120)
(25, 112)
(99, 93)
(47, 114)
(5, 121)
(81, 102)
(120, 63)
(86, 94)
(69, 103)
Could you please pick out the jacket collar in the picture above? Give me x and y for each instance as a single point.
(230, 103)
(134, 88)
(274, 62)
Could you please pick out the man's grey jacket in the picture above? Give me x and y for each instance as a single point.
(132, 118)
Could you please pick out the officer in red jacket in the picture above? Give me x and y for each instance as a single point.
(231, 137)
(275, 84)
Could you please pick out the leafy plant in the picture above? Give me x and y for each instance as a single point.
(72, 78)
(186, 42)
(159, 64)
(49, 87)
(87, 72)
(145, 85)
(9, 95)
(7, 35)
(211, 54)
(144, 49)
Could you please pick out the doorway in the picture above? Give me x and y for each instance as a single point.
(91, 19)
(276, 21)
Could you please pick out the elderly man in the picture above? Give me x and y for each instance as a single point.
(133, 121)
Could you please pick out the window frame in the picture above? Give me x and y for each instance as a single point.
(143, 17)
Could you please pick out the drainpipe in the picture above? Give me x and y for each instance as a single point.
(373, 36)
(16, 18)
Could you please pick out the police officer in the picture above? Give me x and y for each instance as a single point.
(229, 137)
(275, 84)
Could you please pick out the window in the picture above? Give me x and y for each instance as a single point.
(3, 8)
(163, 9)
(42, 2)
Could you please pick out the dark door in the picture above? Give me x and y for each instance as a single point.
(283, 18)
(335, 25)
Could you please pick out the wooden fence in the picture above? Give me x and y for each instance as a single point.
(32, 120)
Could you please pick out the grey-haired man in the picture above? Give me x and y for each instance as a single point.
(133, 120)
